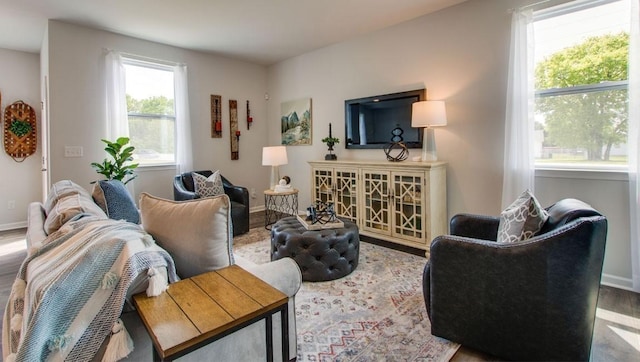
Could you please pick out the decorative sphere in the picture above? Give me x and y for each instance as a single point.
(286, 179)
(399, 150)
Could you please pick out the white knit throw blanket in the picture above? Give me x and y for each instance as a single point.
(69, 293)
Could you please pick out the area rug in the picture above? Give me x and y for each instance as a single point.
(376, 313)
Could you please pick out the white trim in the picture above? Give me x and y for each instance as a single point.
(582, 174)
(617, 282)
(13, 226)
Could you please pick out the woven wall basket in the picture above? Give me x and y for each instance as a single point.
(23, 144)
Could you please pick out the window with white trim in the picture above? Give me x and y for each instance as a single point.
(151, 111)
(581, 54)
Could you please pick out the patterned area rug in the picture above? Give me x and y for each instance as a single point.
(376, 313)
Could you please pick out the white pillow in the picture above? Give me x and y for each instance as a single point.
(207, 186)
(522, 219)
(197, 233)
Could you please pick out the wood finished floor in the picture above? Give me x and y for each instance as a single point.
(616, 333)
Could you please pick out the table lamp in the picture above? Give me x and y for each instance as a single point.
(274, 156)
(428, 114)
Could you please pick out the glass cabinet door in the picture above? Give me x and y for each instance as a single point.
(322, 185)
(376, 201)
(345, 193)
(408, 211)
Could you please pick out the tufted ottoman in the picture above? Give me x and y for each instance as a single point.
(321, 254)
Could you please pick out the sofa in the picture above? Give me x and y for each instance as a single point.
(184, 189)
(71, 219)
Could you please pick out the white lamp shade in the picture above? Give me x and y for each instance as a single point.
(274, 156)
(428, 114)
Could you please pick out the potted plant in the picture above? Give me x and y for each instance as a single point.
(330, 141)
(118, 168)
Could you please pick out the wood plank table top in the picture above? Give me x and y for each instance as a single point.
(206, 307)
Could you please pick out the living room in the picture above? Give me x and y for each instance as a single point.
(459, 54)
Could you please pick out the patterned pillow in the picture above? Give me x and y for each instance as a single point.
(114, 199)
(197, 233)
(207, 186)
(522, 219)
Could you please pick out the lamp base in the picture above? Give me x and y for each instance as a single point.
(275, 177)
(429, 146)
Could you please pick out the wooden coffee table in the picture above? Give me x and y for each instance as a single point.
(197, 311)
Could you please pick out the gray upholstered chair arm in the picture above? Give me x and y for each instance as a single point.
(283, 274)
(475, 226)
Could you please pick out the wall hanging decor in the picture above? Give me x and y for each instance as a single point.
(216, 116)
(249, 118)
(295, 122)
(20, 136)
(234, 131)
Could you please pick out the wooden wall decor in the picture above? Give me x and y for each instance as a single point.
(234, 132)
(249, 118)
(20, 136)
(216, 116)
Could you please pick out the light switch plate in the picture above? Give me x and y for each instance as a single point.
(73, 151)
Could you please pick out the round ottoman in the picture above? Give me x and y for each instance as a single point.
(321, 254)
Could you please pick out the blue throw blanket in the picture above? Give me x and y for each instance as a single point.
(69, 293)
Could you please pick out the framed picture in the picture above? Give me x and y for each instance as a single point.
(296, 122)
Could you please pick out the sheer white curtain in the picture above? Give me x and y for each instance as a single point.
(117, 122)
(634, 140)
(184, 158)
(518, 135)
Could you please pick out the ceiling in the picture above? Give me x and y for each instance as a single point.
(259, 31)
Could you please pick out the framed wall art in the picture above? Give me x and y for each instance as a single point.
(296, 122)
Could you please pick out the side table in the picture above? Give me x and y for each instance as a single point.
(202, 309)
(278, 205)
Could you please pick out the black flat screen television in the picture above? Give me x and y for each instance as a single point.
(372, 122)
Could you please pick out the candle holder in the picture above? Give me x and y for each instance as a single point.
(330, 141)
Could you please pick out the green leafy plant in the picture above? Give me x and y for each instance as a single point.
(118, 168)
(19, 128)
(333, 140)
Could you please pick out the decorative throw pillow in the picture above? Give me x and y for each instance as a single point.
(197, 233)
(61, 189)
(522, 219)
(207, 186)
(114, 199)
(68, 207)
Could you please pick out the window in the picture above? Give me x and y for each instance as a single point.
(581, 55)
(151, 111)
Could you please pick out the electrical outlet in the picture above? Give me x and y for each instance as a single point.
(253, 193)
(11, 204)
(73, 151)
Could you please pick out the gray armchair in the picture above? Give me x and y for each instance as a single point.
(183, 189)
(530, 300)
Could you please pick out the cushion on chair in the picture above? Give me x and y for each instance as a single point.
(522, 219)
(197, 233)
(208, 186)
(114, 199)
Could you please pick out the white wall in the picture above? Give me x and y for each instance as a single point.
(459, 54)
(77, 110)
(20, 182)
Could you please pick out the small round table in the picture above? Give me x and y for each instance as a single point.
(322, 255)
(278, 205)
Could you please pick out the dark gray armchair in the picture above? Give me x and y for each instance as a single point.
(183, 189)
(529, 300)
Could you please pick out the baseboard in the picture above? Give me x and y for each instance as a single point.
(256, 208)
(617, 282)
(13, 226)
